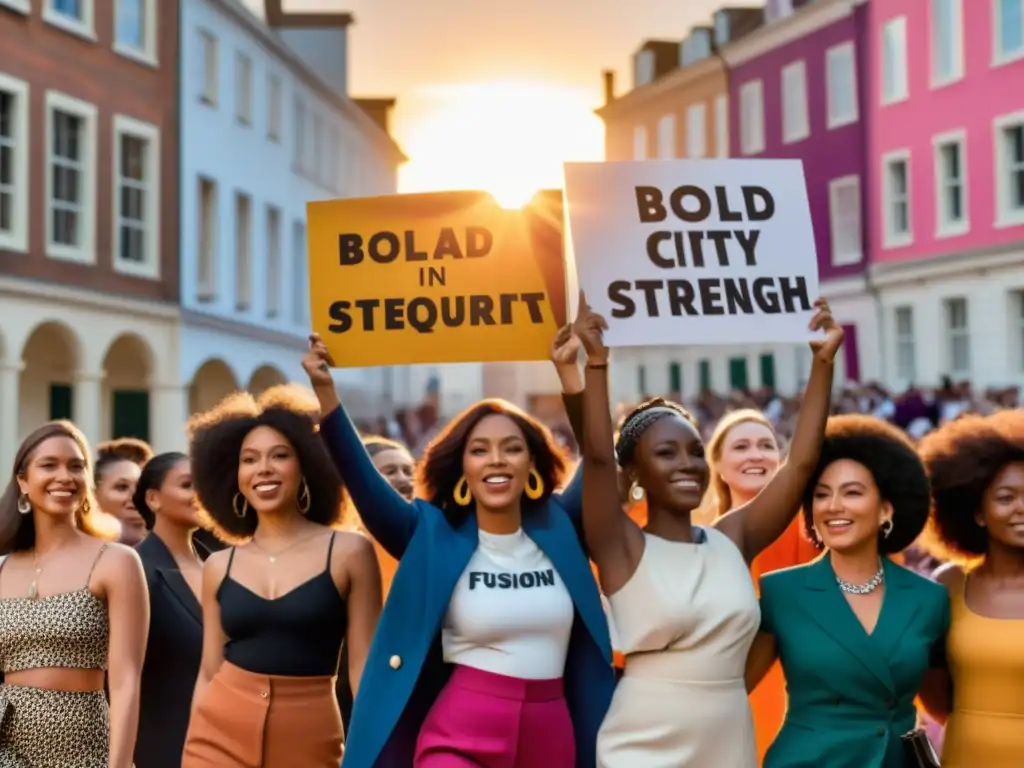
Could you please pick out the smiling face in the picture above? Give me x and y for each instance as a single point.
(114, 495)
(749, 459)
(670, 464)
(268, 471)
(55, 477)
(496, 462)
(1002, 507)
(848, 509)
(175, 499)
(397, 467)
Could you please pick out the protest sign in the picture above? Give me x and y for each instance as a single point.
(694, 251)
(443, 277)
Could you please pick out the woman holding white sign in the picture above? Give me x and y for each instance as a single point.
(680, 595)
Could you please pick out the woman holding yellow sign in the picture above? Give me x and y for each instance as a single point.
(493, 648)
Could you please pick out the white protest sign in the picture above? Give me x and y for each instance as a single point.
(676, 252)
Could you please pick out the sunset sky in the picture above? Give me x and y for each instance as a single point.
(495, 95)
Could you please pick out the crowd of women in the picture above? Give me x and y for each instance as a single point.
(728, 610)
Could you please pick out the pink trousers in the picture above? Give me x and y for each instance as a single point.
(484, 720)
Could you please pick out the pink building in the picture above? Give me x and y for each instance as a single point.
(945, 213)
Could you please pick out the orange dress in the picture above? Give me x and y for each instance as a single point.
(768, 701)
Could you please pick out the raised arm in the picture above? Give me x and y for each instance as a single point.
(613, 541)
(387, 516)
(128, 606)
(565, 351)
(759, 522)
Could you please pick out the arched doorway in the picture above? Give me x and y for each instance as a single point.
(212, 382)
(128, 368)
(50, 355)
(263, 378)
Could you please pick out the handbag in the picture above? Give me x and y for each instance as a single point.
(918, 750)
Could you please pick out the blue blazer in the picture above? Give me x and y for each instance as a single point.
(851, 694)
(405, 670)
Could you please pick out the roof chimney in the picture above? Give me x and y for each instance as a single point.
(609, 85)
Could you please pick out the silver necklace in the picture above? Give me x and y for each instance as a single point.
(863, 589)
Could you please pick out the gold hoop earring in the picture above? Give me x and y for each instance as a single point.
(24, 505)
(304, 499)
(461, 493)
(534, 485)
(636, 492)
(887, 527)
(240, 513)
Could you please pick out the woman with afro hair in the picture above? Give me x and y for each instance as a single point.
(493, 648)
(277, 606)
(858, 636)
(977, 471)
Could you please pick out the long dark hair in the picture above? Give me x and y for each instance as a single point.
(152, 478)
(18, 531)
(440, 468)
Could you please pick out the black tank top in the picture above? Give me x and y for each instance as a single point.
(298, 634)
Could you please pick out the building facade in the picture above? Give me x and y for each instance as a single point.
(795, 91)
(89, 219)
(946, 153)
(267, 126)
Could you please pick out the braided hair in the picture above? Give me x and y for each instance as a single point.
(639, 420)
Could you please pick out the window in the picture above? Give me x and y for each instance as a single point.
(841, 73)
(950, 184)
(959, 337)
(738, 379)
(21, 6)
(722, 126)
(273, 261)
(300, 135)
(135, 29)
(675, 378)
(206, 267)
(947, 41)
(75, 16)
(906, 362)
(795, 120)
(896, 199)
(243, 252)
(274, 108)
(300, 275)
(318, 147)
(137, 203)
(752, 118)
(767, 364)
(696, 135)
(894, 61)
(639, 142)
(70, 178)
(845, 220)
(667, 137)
(243, 89)
(704, 374)
(210, 61)
(1009, 158)
(1018, 332)
(1009, 31)
(14, 176)
(641, 381)
(644, 68)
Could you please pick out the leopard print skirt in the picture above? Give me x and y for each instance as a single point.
(53, 729)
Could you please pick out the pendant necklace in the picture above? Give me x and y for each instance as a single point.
(33, 587)
(863, 589)
(272, 556)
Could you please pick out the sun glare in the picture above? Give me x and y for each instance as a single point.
(509, 139)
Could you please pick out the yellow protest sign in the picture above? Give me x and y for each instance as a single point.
(442, 277)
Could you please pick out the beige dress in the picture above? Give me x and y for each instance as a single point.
(685, 622)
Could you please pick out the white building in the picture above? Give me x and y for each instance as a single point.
(267, 125)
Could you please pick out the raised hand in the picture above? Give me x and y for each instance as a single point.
(318, 363)
(590, 328)
(565, 347)
(825, 349)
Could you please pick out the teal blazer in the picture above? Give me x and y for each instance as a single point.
(851, 695)
(405, 670)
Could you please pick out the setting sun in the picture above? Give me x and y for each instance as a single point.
(509, 139)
